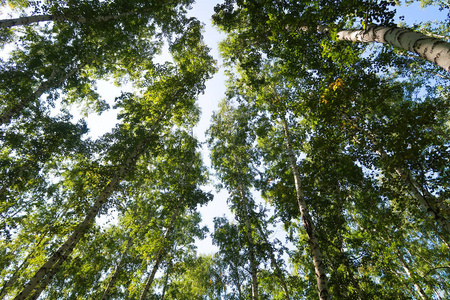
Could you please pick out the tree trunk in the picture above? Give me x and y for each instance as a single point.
(278, 271)
(117, 270)
(432, 49)
(46, 18)
(23, 265)
(319, 266)
(251, 248)
(159, 256)
(407, 271)
(426, 200)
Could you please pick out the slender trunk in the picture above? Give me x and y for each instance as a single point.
(166, 281)
(319, 267)
(426, 200)
(58, 257)
(43, 284)
(407, 271)
(43, 87)
(24, 264)
(46, 18)
(117, 270)
(129, 244)
(278, 271)
(159, 256)
(55, 261)
(251, 248)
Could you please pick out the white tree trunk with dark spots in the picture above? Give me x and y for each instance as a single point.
(22, 21)
(319, 267)
(432, 49)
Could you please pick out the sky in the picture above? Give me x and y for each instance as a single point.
(215, 89)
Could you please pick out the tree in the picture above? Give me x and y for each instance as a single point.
(163, 103)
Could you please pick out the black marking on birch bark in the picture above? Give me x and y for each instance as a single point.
(399, 35)
(417, 44)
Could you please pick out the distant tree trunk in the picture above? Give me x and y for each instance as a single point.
(129, 244)
(408, 272)
(117, 270)
(426, 200)
(159, 256)
(313, 242)
(23, 265)
(278, 271)
(251, 248)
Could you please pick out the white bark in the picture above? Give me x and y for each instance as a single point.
(22, 21)
(406, 268)
(319, 267)
(34, 19)
(432, 49)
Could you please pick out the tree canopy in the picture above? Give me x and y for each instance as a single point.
(332, 143)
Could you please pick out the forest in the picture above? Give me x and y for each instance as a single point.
(332, 143)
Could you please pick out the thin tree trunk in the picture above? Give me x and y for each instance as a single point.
(426, 200)
(24, 264)
(278, 271)
(166, 281)
(159, 256)
(117, 270)
(251, 248)
(59, 256)
(407, 271)
(319, 267)
(46, 18)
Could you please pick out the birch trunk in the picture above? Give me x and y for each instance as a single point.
(159, 257)
(251, 250)
(23, 265)
(59, 256)
(432, 49)
(425, 199)
(47, 18)
(278, 271)
(407, 271)
(319, 267)
(117, 270)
